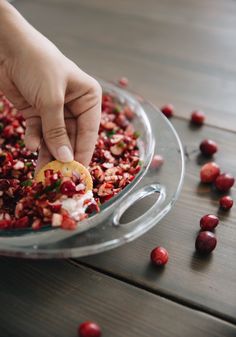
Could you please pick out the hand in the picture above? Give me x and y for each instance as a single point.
(60, 102)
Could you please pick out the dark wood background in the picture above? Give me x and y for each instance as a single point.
(179, 51)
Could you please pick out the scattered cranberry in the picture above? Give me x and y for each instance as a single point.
(68, 188)
(159, 256)
(157, 161)
(205, 242)
(168, 110)
(224, 182)
(209, 222)
(226, 202)
(89, 329)
(198, 117)
(208, 147)
(123, 81)
(209, 172)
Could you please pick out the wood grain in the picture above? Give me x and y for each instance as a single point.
(49, 299)
(179, 51)
(206, 283)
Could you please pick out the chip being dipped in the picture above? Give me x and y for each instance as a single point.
(67, 170)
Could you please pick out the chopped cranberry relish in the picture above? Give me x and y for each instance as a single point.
(26, 203)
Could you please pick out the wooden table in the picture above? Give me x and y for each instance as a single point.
(182, 52)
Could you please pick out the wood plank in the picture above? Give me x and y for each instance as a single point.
(50, 298)
(208, 283)
(182, 51)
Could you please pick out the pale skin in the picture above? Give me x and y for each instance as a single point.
(60, 103)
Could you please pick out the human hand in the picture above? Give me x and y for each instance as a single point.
(60, 103)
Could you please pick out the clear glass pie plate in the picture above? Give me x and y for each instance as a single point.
(131, 213)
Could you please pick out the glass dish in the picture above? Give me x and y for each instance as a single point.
(106, 230)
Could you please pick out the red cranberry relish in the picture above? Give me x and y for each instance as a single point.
(26, 203)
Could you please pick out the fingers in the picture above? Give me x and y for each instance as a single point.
(71, 128)
(87, 132)
(87, 109)
(54, 131)
(33, 133)
(44, 157)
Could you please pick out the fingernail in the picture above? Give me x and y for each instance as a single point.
(65, 154)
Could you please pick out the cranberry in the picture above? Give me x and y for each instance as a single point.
(205, 242)
(159, 256)
(209, 172)
(22, 222)
(123, 81)
(224, 182)
(5, 224)
(157, 161)
(68, 188)
(68, 223)
(209, 222)
(4, 184)
(89, 329)
(226, 202)
(198, 117)
(168, 110)
(208, 147)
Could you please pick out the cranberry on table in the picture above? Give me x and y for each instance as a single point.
(198, 117)
(168, 110)
(209, 222)
(226, 202)
(89, 329)
(205, 242)
(208, 147)
(224, 182)
(209, 172)
(123, 81)
(159, 256)
(157, 161)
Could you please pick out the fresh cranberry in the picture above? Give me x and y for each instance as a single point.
(198, 117)
(157, 161)
(205, 242)
(68, 223)
(89, 329)
(224, 182)
(209, 172)
(5, 224)
(68, 188)
(22, 222)
(4, 184)
(226, 202)
(209, 222)
(208, 147)
(123, 81)
(159, 256)
(168, 110)
(55, 208)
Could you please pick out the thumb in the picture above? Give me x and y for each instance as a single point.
(55, 134)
